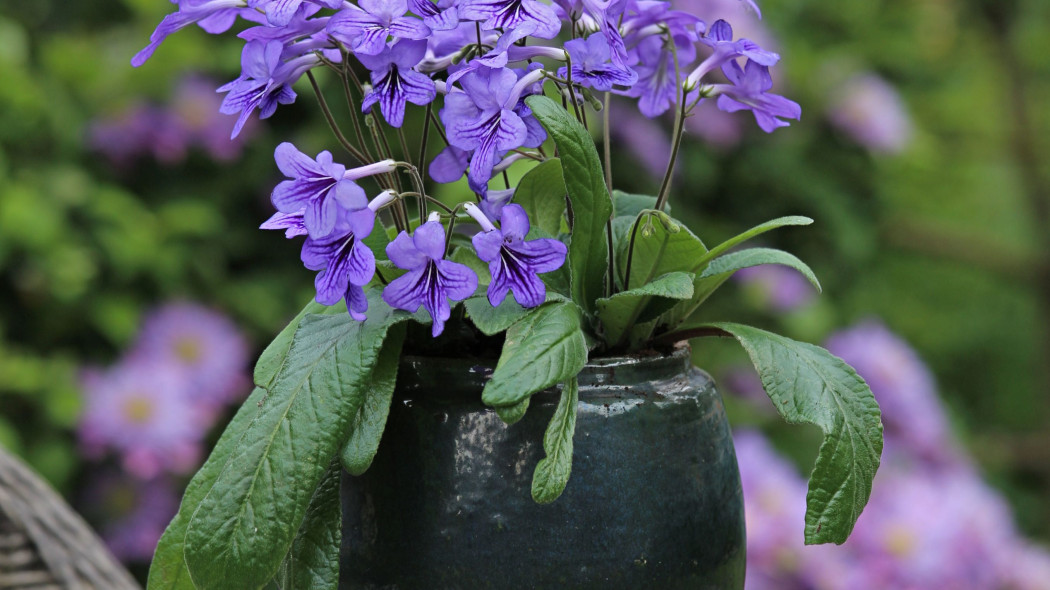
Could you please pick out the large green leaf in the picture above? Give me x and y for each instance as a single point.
(734, 261)
(659, 250)
(591, 207)
(543, 348)
(246, 523)
(270, 361)
(621, 311)
(313, 561)
(629, 205)
(168, 569)
(493, 320)
(552, 472)
(541, 192)
(370, 419)
(808, 384)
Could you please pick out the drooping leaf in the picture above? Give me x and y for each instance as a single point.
(734, 261)
(808, 384)
(370, 419)
(271, 359)
(751, 233)
(543, 348)
(541, 192)
(511, 414)
(591, 207)
(168, 569)
(313, 561)
(245, 524)
(643, 303)
(552, 472)
(493, 320)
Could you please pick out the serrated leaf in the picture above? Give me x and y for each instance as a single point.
(543, 348)
(591, 207)
(751, 233)
(734, 261)
(552, 472)
(313, 561)
(493, 320)
(623, 310)
(271, 359)
(168, 569)
(541, 192)
(370, 419)
(809, 385)
(512, 414)
(246, 523)
(658, 253)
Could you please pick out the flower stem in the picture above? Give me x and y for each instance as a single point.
(331, 121)
(679, 122)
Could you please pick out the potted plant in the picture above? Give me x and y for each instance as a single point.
(555, 288)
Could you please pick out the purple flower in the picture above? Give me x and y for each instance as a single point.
(508, 15)
(263, 84)
(214, 16)
(431, 281)
(367, 28)
(201, 343)
(749, 91)
(514, 262)
(394, 82)
(720, 38)
(440, 16)
(319, 186)
(292, 223)
(140, 409)
(780, 288)
(591, 64)
(486, 118)
(280, 12)
(657, 86)
(872, 113)
(345, 263)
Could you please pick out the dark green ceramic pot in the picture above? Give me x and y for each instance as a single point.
(654, 500)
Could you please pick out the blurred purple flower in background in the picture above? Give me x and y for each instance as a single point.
(134, 513)
(871, 112)
(168, 132)
(931, 523)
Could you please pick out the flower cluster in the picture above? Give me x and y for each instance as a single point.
(912, 534)
(468, 65)
(155, 406)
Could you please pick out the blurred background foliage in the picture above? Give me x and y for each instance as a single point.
(944, 236)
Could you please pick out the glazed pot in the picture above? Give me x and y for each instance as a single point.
(654, 499)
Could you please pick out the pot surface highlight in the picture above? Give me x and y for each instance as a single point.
(654, 500)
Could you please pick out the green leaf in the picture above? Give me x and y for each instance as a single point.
(370, 419)
(246, 523)
(622, 311)
(628, 205)
(543, 348)
(511, 414)
(741, 238)
(377, 241)
(468, 258)
(734, 261)
(493, 320)
(168, 570)
(659, 251)
(272, 358)
(552, 472)
(808, 384)
(541, 192)
(313, 561)
(591, 207)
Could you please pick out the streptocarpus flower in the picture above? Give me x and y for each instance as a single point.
(394, 82)
(591, 65)
(280, 12)
(431, 281)
(214, 16)
(367, 28)
(720, 38)
(261, 84)
(514, 262)
(291, 223)
(345, 263)
(750, 91)
(442, 15)
(508, 15)
(320, 186)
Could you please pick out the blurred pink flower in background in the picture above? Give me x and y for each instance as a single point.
(780, 288)
(134, 513)
(870, 111)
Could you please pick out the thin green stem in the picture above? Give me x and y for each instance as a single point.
(331, 120)
(607, 147)
(630, 250)
(679, 122)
